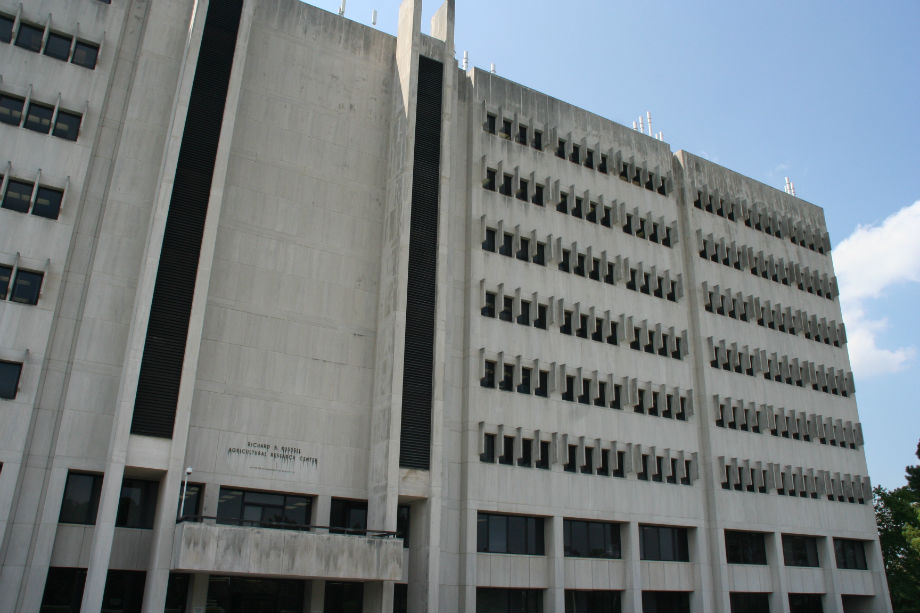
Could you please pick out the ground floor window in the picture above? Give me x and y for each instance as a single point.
(255, 595)
(343, 597)
(400, 598)
(595, 601)
(63, 590)
(749, 602)
(506, 600)
(805, 603)
(665, 602)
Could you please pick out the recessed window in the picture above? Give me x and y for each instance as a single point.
(591, 539)
(542, 388)
(194, 498)
(38, 117)
(749, 602)
(67, 125)
(537, 139)
(26, 287)
(58, 46)
(9, 379)
(18, 196)
(6, 273)
(30, 37)
(516, 534)
(805, 603)
(663, 543)
(348, 516)
(522, 135)
(489, 182)
(507, 456)
(488, 449)
(673, 602)
(85, 54)
(537, 195)
(524, 317)
(11, 109)
(264, 509)
(800, 550)
(63, 589)
(488, 242)
(488, 377)
(506, 246)
(508, 599)
(488, 309)
(543, 462)
(81, 498)
(137, 503)
(48, 202)
(745, 547)
(850, 554)
(507, 309)
(526, 459)
(583, 601)
(507, 382)
(524, 386)
(506, 129)
(6, 28)
(490, 123)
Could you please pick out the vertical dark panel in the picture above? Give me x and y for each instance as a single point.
(415, 432)
(164, 349)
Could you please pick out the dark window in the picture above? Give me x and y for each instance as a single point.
(577, 209)
(85, 54)
(137, 503)
(564, 262)
(30, 37)
(542, 388)
(58, 46)
(805, 603)
(488, 242)
(604, 468)
(507, 456)
(594, 601)
(745, 547)
(26, 287)
(38, 117)
(506, 314)
(524, 387)
(194, 497)
(5, 274)
(81, 498)
(124, 591)
(9, 379)
(522, 135)
(403, 516)
(537, 139)
(569, 393)
(265, 509)
(642, 475)
(6, 28)
(338, 597)
(591, 539)
(488, 309)
(522, 192)
(563, 205)
(523, 253)
(560, 149)
(572, 462)
(489, 182)
(48, 202)
(537, 195)
(488, 378)
(11, 109)
(63, 590)
(589, 158)
(540, 321)
(488, 449)
(663, 543)
(539, 256)
(665, 602)
(490, 123)
(508, 600)
(509, 534)
(749, 602)
(18, 196)
(566, 327)
(800, 550)
(507, 382)
(506, 129)
(850, 554)
(507, 245)
(348, 516)
(543, 462)
(67, 125)
(526, 458)
(576, 154)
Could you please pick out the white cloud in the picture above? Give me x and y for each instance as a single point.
(868, 262)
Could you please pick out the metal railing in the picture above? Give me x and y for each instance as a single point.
(233, 521)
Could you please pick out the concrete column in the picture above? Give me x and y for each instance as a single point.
(468, 554)
(197, 600)
(632, 595)
(378, 597)
(322, 506)
(828, 561)
(555, 552)
(779, 597)
(419, 553)
(317, 596)
(877, 567)
(712, 562)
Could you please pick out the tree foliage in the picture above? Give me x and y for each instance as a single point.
(898, 518)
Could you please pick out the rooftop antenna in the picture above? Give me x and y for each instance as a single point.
(342, 8)
(790, 187)
(659, 136)
(373, 17)
(634, 126)
(641, 128)
(466, 60)
(492, 68)
(648, 121)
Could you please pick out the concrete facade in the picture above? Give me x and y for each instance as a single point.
(689, 368)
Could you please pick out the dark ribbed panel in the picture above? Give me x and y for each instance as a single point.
(415, 433)
(161, 366)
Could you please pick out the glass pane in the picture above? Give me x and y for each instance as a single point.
(9, 379)
(48, 202)
(482, 532)
(38, 117)
(67, 125)
(498, 534)
(63, 589)
(11, 110)
(58, 46)
(137, 503)
(517, 535)
(81, 497)
(85, 54)
(596, 541)
(6, 28)
(296, 510)
(29, 37)
(265, 498)
(27, 286)
(18, 196)
(579, 538)
(192, 504)
(252, 514)
(5, 273)
(229, 505)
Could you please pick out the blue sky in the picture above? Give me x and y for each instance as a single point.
(827, 93)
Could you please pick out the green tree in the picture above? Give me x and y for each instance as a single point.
(896, 512)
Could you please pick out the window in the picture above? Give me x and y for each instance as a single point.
(522, 135)
(488, 243)
(523, 253)
(564, 262)
(665, 602)
(749, 602)
(537, 139)
(38, 117)
(338, 597)
(30, 37)
(63, 589)
(488, 309)
(526, 458)
(488, 449)
(81, 498)
(9, 379)
(663, 543)
(137, 503)
(124, 590)
(537, 195)
(539, 256)
(569, 392)
(524, 386)
(543, 462)
(67, 125)
(490, 123)
(194, 497)
(507, 382)
(85, 54)
(805, 603)
(264, 509)
(542, 388)
(540, 321)
(488, 378)
(507, 456)
(48, 202)
(5, 274)
(6, 28)
(583, 601)
(58, 46)
(403, 515)
(800, 550)
(508, 600)
(18, 196)
(489, 182)
(348, 516)
(745, 547)
(26, 287)
(850, 554)
(507, 244)
(507, 309)
(506, 129)
(11, 109)
(518, 534)
(591, 539)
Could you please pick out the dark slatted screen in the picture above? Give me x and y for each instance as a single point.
(415, 433)
(161, 365)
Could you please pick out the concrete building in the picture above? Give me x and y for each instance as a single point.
(427, 339)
